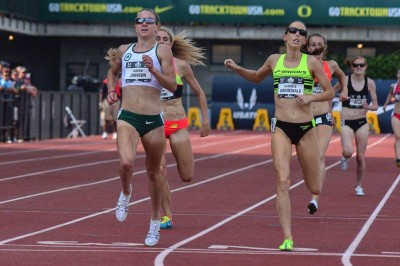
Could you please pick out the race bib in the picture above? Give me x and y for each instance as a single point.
(357, 103)
(137, 72)
(290, 87)
(166, 94)
(273, 123)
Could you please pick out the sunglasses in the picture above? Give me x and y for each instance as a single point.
(147, 20)
(358, 65)
(294, 30)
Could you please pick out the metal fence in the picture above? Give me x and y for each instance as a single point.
(44, 116)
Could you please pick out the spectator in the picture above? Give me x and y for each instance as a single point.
(75, 86)
(7, 90)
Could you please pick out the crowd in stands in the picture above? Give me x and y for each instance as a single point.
(15, 88)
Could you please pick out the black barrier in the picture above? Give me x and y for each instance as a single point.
(43, 116)
(244, 98)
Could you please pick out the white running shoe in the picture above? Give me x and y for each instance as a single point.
(104, 136)
(121, 210)
(114, 135)
(154, 233)
(344, 163)
(359, 191)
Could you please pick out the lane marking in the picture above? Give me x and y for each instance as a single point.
(141, 200)
(353, 246)
(135, 173)
(159, 260)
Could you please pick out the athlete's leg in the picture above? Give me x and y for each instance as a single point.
(347, 135)
(127, 143)
(361, 145)
(309, 158)
(282, 153)
(154, 145)
(396, 130)
(166, 197)
(182, 151)
(324, 133)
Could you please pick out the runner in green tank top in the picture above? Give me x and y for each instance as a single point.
(293, 122)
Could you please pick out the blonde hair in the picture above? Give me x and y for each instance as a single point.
(110, 56)
(185, 48)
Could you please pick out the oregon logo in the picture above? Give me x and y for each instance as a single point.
(127, 57)
(304, 11)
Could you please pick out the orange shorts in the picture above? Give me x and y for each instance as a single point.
(172, 126)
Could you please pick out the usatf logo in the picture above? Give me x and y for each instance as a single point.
(246, 105)
(127, 57)
(137, 64)
(245, 113)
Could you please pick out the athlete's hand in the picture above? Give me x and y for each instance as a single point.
(112, 97)
(303, 99)
(343, 96)
(229, 63)
(148, 62)
(205, 129)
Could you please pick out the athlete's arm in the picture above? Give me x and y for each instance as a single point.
(188, 74)
(389, 97)
(254, 75)
(374, 97)
(166, 78)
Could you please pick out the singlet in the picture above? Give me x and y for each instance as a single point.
(396, 92)
(134, 72)
(317, 89)
(290, 82)
(166, 94)
(356, 98)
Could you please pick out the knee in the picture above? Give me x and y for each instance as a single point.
(126, 167)
(283, 184)
(154, 175)
(163, 170)
(360, 158)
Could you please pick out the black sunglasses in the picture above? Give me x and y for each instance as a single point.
(293, 30)
(358, 65)
(147, 20)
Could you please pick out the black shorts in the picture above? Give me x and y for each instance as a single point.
(295, 131)
(142, 123)
(324, 119)
(354, 124)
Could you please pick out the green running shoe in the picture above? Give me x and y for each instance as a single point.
(166, 223)
(287, 245)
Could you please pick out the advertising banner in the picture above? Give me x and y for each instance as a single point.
(244, 98)
(231, 12)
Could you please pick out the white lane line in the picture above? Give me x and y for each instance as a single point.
(353, 246)
(159, 261)
(133, 203)
(135, 173)
(115, 160)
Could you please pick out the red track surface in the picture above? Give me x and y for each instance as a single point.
(57, 200)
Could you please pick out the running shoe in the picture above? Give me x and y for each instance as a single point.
(359, 191)
(397, 162)
(312, 207)
(121, 210)
(114, 135)
(166, 223)
(287, 245)
(154, 233)
(344, 163)
(104, 135)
